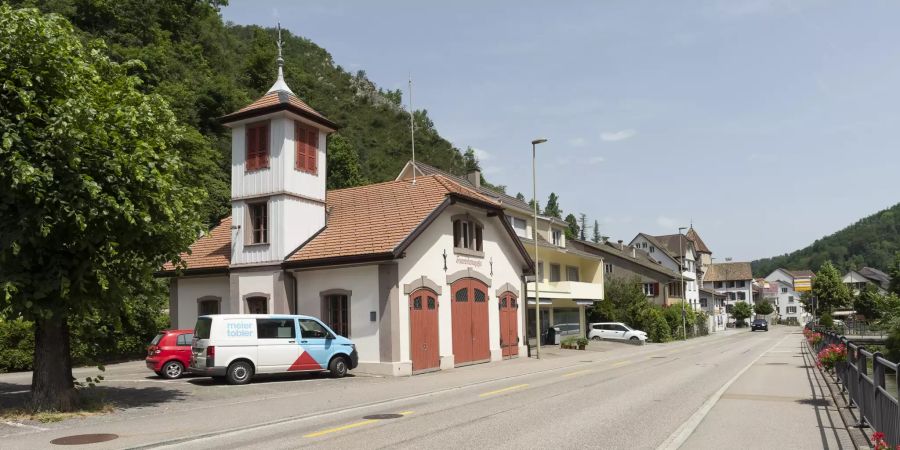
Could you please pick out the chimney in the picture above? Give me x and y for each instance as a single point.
(474, 177)
(621, 247)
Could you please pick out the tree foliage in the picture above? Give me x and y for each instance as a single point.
(763, 308)
(828, 289)
(582, 225)
(552, 209)
(92, 195)
(873, 241)
(894, 272)
(867, 301)
(572, 230)
(343, 164)
(596, 236)
(741, 312)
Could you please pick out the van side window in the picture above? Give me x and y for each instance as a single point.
(311, 329)
(276, 328)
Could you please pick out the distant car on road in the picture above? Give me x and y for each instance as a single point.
(616, 331)
(759, 324)
(170, 352)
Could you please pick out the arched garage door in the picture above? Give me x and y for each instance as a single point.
(470, 321)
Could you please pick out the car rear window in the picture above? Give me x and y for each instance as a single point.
(185, 339)
(201, 330)
(156, 340)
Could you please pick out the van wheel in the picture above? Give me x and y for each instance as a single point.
(338, 367)
(172, 370)
(239, 372)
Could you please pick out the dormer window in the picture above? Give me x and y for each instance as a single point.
(557, 238)
(257, 146)
(467, 236)
(306, 148)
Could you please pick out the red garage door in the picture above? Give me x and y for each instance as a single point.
(423, 324)
(470, 321)
(509, 324)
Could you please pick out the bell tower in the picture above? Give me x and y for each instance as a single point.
(278, 158)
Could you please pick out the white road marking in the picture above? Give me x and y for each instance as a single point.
(681, 435)
(22, 425)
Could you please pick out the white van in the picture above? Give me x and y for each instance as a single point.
(237, 346)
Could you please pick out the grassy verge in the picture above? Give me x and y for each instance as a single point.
(89, 405)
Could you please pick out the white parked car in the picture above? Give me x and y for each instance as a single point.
(617, 331)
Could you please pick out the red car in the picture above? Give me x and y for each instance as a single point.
(170, 352)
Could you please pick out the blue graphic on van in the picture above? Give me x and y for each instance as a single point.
(238, 329)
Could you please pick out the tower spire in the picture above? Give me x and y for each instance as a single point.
(279, 85)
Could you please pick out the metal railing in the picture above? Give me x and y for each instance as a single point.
(878, 406)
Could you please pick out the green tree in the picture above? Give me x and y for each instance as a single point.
(596, 237)
(828, 289)
(895, 275)
(343, 164)
(582, 224)
(470, 161)
(866, 303)
(532, 206)
(520, 197)
(763, 308)
(91, 202)
(741, 312)
(552, 209)
(627, 299)
(573, 229)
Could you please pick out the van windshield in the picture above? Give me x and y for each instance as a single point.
(201, 330)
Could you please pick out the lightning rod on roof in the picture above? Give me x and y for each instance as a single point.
(412, 130)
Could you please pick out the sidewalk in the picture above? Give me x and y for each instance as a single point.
(781, 401)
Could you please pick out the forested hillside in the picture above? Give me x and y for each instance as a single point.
(872, 242)
(206, 69)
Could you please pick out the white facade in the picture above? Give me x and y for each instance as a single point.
(787, 302)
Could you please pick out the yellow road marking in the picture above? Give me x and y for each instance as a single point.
(518, 386)
(572, 374)
(622, 363)
(348, 426)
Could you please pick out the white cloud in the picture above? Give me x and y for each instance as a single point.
(621, 135)
(596, 160)
(578, 142)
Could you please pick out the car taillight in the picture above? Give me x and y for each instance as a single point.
(210, 351)
(157, 351)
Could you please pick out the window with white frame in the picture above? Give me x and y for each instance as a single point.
(742, 295)
(467, 235)
(784, 290)
(650, 289)
(571, 273)
(557, 238)
(792, 310)
(555, 272)
(258, 221)
(519, 225)
(608, 268)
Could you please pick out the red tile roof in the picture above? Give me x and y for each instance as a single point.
(211, 251)
(698, 243)
(729, 271)
(276, 101)
(362, 221)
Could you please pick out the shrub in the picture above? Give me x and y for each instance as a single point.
(16, 345)
(826, 321)
(701, 323)
(656, 326)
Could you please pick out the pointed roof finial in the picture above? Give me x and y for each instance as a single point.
(280, 85)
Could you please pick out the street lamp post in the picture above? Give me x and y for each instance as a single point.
(537, 289)
(683, 293)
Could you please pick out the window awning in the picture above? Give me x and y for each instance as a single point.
(585, 302)
(543, 302)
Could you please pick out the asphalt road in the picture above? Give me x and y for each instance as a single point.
(622, 397)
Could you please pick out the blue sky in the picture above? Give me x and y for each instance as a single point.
(769, 124)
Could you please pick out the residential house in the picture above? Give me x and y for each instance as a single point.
(713, 303)
(786, 301)
(703, 252)
(734, 280)
(676, 252)
(625, 262)
(421, 276)
(857, 280)
(570, 279)
(800, 280)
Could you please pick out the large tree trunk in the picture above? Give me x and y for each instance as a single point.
(51, 382)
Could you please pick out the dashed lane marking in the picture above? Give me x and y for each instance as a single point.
(622, 363)
(349, 426)
(578, 372)
(500, 391)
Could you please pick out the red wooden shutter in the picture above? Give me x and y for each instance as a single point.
(312, 151)
(655, 289)
(263, 151)
(300, 145)
(252, 142)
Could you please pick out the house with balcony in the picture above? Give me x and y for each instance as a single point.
(629, 263)
(857, 280)
(676, 252)
(732, 279)
(569, 279)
